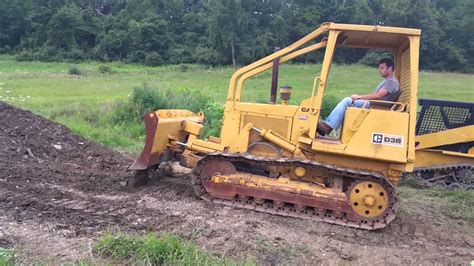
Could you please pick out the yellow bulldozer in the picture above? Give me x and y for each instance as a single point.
(269, 157)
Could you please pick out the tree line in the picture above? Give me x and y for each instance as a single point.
(222, 32)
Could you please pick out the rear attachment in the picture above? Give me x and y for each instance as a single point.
(437, 115)
(297, 188)
(445, 145)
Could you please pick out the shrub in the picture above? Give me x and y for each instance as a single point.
(142, 100)
(136, 57)
(329, 102)
(207, 56)
(25, 55)
(103, 69)
(180, 54)
(214, 113)
(74, 70)
(48, 53)
(74, 55)
(145, 99)
(183, 68)
(5, 49)
(153, 59)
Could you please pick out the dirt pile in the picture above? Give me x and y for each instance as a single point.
(60, 189)
(36, 148)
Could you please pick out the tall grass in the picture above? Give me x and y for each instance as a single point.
(146, 99)
(105, 69)
(151, 249)
(74, 70)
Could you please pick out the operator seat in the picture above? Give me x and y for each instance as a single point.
(389, 105)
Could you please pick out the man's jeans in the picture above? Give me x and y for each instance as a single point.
(334, 120)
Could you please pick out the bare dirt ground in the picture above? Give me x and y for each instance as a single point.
(59, 192)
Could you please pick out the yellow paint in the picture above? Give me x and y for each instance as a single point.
(171, 126)
(300, 171)
(280, 141)
(368, 199)
(446, 137)
(282, 184)
(430, 158)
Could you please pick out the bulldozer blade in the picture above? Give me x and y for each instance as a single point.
(162, 128)
(148, 158)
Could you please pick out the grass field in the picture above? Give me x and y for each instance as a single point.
(84, 102)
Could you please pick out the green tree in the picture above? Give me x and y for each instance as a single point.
(222, 31)
(13, 22)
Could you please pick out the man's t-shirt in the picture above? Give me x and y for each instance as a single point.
(392, 86)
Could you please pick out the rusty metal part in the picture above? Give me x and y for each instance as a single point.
(458, 176)
(148, 158)
(206, 172)
(289, 204)
(189, 159)
(155, 172)
(264, 148)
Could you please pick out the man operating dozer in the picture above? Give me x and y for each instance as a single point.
(387, 90)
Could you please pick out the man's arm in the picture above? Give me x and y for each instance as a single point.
(373, 96)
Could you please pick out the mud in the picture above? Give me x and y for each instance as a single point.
(59, 189)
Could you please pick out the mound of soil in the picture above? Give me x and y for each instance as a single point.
(36, 148)
(60, 189)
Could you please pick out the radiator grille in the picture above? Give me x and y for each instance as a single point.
(436, 115)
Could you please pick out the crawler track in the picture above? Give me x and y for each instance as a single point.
(452, 176)
(290, 209)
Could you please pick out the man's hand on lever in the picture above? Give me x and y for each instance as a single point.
(355, 97)
(373, 96)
